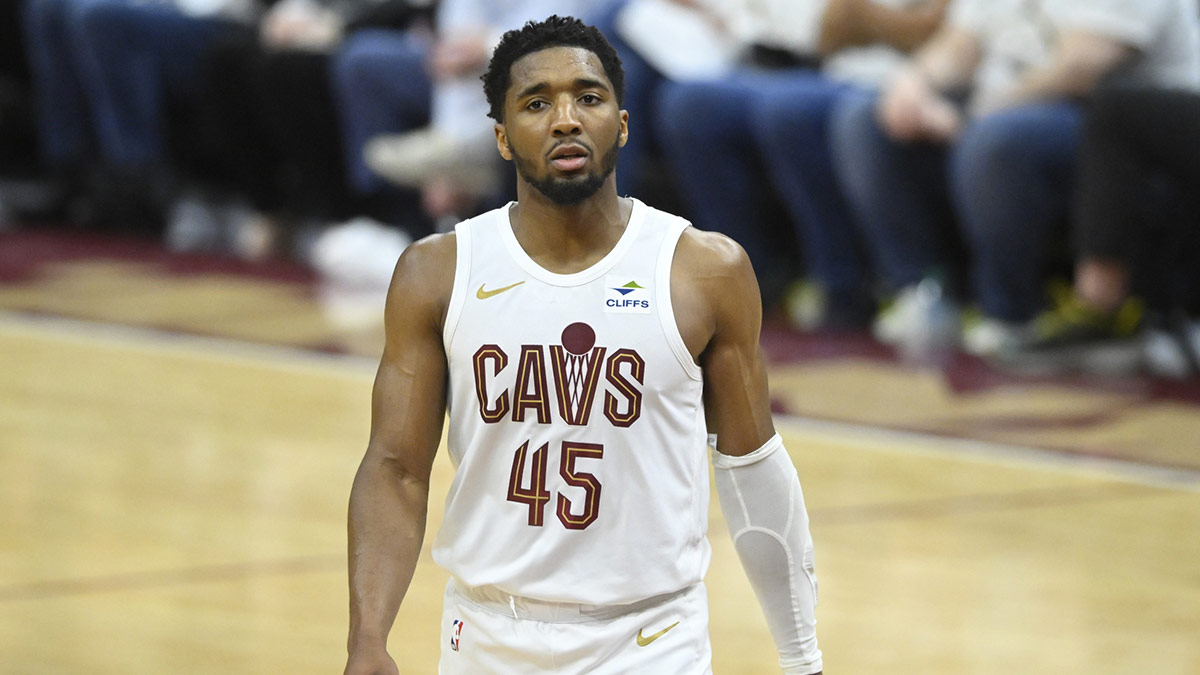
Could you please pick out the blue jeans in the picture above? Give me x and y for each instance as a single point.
(1001, 190)
(53, 42)
(642, 82)
(140, 57)
(380, 86)
(719, 136)
(102, 71)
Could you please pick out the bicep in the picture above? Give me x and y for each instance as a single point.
(408, 400)
(736, 395)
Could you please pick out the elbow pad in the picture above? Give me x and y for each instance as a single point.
(763, 505)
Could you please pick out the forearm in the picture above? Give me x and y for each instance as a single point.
(948, 61)
(1082, 62)
(386, 528)
(764, 506)
(1056, 81)
(853, 23)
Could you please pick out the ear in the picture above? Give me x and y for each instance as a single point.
(623, 136)
(502, 142)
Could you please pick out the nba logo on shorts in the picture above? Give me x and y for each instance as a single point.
(455, 633)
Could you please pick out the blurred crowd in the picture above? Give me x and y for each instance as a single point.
(1018, 179)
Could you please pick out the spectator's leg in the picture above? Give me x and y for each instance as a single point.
(896, 193)
(61, 107)
(704, 130)
(1011, 181)
(380, 86)
(1130, 133)
(134, 57)
(641, 83)
(791, 128)
(301, 120)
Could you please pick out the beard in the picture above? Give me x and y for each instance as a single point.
(569, 191)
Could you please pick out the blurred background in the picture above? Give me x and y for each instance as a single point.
(975, 223)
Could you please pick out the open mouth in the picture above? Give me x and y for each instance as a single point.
(569, 158)
(569, 162)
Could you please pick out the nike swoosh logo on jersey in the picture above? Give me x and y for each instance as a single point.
(484, 295)
(643, 641)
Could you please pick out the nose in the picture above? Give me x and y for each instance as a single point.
(566, 119)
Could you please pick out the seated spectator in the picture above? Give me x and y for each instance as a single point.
(935, 182)
(453, 158)
(1138, 144)
(20, 190)
(730, 137)
(105, 74)
(273, 177)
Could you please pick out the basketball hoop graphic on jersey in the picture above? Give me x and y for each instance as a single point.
(576, 364)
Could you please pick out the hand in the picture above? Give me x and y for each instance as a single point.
(300, 25)
(910, 110)
(373, 662)
(458, 56)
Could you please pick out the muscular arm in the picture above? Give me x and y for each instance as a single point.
(758, 487)
(722, 316)
(391, 489)
(1083, 59)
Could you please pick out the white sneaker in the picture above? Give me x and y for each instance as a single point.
(899, 318)
(916, 311)
(410, 159)
(806, 304)
(922, 323)
(194, 224)
(360, 252)
(986, 336)
(1164, 352)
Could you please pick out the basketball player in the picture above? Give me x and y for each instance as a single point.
(588, 348)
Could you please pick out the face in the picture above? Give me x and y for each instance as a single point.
(562, 126)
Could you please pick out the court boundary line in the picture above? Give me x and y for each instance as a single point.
(179, 343)
(917, 443)
(868, 437)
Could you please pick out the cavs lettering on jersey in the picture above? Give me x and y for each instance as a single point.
(576, 423)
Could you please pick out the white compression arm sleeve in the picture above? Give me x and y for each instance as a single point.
(764, 506)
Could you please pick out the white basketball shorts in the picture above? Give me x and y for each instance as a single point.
(486, 631)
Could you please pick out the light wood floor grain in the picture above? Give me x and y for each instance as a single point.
(177, 505)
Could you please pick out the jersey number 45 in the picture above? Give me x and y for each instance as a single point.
(535, 495)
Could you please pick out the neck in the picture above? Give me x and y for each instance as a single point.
(569, 238)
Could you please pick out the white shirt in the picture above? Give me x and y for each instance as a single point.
(1019, 35)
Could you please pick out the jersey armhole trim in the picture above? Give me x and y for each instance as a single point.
(666, 309)
(462, 272)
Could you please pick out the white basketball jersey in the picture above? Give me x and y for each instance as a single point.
(576, 422)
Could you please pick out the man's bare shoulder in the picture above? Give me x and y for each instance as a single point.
(423, 281)
(427, 265)
(702, 256)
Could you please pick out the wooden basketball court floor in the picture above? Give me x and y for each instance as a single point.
(178, 437)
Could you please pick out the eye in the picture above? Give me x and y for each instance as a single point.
(536, 105)
(589, 99)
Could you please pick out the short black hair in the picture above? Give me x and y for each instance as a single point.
(534, 36)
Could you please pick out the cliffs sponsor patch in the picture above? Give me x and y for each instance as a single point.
(623, 295)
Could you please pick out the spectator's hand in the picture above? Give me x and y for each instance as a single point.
(300, 24)
(910, 110)
(459, 56)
